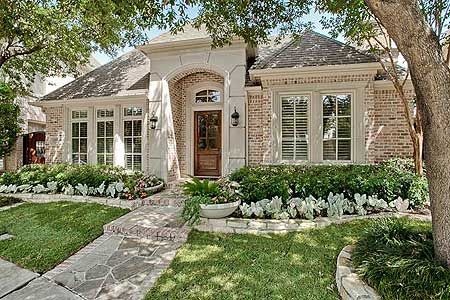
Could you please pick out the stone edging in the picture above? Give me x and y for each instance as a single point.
(262, 226)
(348, 283)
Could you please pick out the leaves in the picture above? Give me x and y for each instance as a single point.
(10, 120)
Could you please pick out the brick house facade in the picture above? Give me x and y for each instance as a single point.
(171, 107)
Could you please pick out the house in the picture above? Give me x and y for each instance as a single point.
(176, 107)
(29, 148)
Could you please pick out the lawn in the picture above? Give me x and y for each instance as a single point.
(291, 266)
(6, 201)
(47, 234)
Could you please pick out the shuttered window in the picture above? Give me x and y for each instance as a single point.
(79, 137)
(294, 128)
(105, 136)
(133, 138)
(337, 127)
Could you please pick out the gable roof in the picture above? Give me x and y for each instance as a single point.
(187, 33)
(312, 49)
(127, 72)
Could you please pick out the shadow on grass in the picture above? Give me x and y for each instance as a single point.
(291, 266)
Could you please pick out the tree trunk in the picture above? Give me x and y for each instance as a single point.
(430, 74)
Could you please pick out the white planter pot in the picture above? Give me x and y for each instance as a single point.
(218, 211)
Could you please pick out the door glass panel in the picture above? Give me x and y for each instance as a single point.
(202, 126)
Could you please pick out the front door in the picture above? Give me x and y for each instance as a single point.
(208, 143)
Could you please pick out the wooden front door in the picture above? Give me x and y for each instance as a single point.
(208, 143)
(34, 148)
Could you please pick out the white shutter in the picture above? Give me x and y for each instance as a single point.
(294, 128)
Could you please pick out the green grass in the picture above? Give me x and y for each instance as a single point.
(292, 266)
(397, 258)
(47, 234)
(6, 200)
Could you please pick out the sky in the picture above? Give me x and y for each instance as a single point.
(104, 58)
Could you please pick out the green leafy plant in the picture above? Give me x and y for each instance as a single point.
(191, 208)
(10, 120)
(396, 257)
(199, 187)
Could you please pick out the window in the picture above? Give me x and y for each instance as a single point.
(337, 127)
(207, 96)
(294, 128)
(133, 138)
(2, 164)
(40, 148)
(79, 137)
(105, 136)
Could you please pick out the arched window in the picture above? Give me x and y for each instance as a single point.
(207, 96)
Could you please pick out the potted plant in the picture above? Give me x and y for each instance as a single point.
(210, 199)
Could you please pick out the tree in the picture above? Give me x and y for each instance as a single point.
(415, 27)
(55, 37)
(9, 119)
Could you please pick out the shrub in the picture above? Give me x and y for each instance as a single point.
(191, 208)
(396, 257)
(81, 179)
(387, 180)
(198, 187)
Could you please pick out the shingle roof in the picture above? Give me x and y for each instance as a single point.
(127, 72)
(312, 49)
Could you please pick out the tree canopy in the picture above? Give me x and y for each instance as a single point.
(9, 119)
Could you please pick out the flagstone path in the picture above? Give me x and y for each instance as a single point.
(123, 263)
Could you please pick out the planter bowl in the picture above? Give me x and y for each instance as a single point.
(218, 211)
(155, 189)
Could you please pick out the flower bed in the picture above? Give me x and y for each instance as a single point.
(84, 180)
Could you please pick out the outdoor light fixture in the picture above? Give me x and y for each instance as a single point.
(235, 118)
(153, 121)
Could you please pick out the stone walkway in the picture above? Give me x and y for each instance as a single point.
(123, 263)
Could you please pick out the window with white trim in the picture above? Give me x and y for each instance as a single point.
(105, 136)
(79, 136)
(132, 135)
(337, 127)
(2, 164)
(207, 96)
(294, 128)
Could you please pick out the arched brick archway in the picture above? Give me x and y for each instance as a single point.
(178, 139)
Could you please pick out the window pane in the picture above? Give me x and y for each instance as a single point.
(329, 105)
(301, 150)
(215, 96)
(201, 99)
(344, 127)
(75, 158)
(137, 127)
(287, 128)
(287, 149)
(83, 129)
(344, 105)
(75, 129)
(128, 145)
(83, 145)
(344, 149)
(109, 145)
(137, 163)
(83, 159)
(137, 145)
(100, 129)
(109, 130)
(100, 145)
(137, 111)
(75, 145)
(301, 128)
(202, 93)
(100, 159)
(128, 128)
(329, 150)
(329, 128)
(129, 161)
(109, 159)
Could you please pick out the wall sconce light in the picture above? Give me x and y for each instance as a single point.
(235, 118)
(153, 121)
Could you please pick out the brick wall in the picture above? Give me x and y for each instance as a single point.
(54, 136)
(14, 159)
(385, 128)
(178, 87)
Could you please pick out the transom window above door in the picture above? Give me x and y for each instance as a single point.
(207, 96)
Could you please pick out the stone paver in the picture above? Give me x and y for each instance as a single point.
(126, 269)
(13, 277)
(42, 289)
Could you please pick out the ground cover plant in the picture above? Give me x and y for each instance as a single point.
(93, 180)
(396, 257)
(47, 234)
(6, 201)
(387, 181)
(298, 265)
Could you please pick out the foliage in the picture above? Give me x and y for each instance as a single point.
(47, 234)
(334, 206)
(299, 265)
(395, 256)
(6, 201)
(191, 208)
(388, 181)
(9, 119)
(93, 180)
(199, 187)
